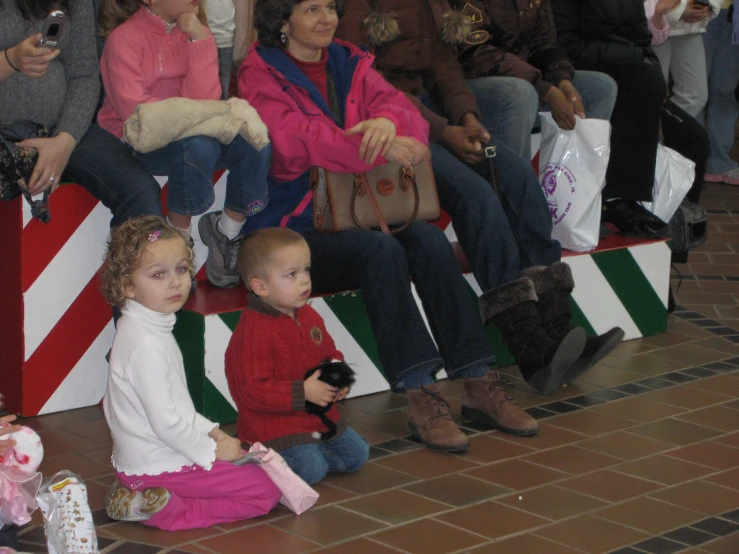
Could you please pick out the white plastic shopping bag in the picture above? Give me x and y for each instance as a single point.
(572, 173)
(673, 177)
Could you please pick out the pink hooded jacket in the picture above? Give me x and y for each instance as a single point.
(301, 133)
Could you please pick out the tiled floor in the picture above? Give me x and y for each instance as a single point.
(641, 455)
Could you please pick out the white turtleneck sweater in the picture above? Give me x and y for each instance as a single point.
(151, 416)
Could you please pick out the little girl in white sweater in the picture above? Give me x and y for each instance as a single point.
(173, 465)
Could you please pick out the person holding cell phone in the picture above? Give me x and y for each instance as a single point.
(681, 53)
(49, 76)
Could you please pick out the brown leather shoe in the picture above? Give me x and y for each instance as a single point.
(485, 400)
(429, 421)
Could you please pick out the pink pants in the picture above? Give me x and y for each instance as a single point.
(201, 498)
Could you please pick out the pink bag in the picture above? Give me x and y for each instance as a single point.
(297, 495)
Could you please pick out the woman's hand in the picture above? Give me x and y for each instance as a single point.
(6, 429)
(693, 14)
(562, 107)
(189, 24)
(31, 60)
(377, 137)
(53, 155)
(228, 449)
(665, 6)
(407, 151)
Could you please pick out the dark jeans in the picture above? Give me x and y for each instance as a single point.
(382, 266)
(685, 135)
(500, 236)
(634, 129)
(189, 164)
(105, 167)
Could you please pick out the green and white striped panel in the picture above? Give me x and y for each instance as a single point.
(626, 287)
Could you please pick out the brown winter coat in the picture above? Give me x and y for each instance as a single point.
(413, 41)
(513, 38)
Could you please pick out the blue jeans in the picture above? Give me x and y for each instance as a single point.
(313, 461)
(189, 164)
(722, 109)
(225, 63)
(510, 106)
(382, 266)
(103, 165)
(500, 236)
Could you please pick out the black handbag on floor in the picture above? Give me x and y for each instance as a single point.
(688, 227)
(16, 165)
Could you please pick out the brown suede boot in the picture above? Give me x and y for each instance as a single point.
(429, 421)
(553, 285)
(541, 359)
(485, 400)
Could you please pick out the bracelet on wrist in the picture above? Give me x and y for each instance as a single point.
(7, 58)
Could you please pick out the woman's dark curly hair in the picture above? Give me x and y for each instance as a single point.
(271, 15)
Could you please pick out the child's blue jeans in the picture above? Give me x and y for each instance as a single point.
(189, 164)
(343, 455)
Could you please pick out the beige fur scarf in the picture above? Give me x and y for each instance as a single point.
(383, 28)
(156, 124)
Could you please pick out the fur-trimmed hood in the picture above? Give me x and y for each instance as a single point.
(411, 40)
(384, 27)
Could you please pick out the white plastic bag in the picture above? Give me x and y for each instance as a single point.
(67, 518)
(673, 177)
(572, 173)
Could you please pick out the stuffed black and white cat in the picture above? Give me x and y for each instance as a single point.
(337, 374)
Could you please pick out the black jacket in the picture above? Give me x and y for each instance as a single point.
(598, 33)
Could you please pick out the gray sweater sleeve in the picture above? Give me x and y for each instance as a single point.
(65, 98)
(81, 71)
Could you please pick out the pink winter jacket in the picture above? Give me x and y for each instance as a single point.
(303, 136)
(142, 63)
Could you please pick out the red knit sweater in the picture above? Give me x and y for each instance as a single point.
(266, 361)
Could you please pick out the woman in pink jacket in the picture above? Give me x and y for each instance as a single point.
(159, 49)
(325, 106)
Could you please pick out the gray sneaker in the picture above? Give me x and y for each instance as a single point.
(220, 267)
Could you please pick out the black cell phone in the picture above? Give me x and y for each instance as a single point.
(52, 31)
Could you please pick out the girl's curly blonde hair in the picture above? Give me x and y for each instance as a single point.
(126, 247)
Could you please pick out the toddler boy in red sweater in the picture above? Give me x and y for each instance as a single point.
(277, 340)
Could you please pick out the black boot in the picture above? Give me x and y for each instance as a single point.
(553, 286)
(541, 359)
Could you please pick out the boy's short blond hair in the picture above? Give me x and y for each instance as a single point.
(258, 247)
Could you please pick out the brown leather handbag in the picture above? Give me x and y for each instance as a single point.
(390, 195)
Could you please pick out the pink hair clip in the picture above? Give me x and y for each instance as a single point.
(154, 235)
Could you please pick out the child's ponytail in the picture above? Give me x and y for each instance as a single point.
(114, 12)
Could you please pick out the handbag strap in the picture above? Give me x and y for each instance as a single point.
(361, 183)
(490, 153)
